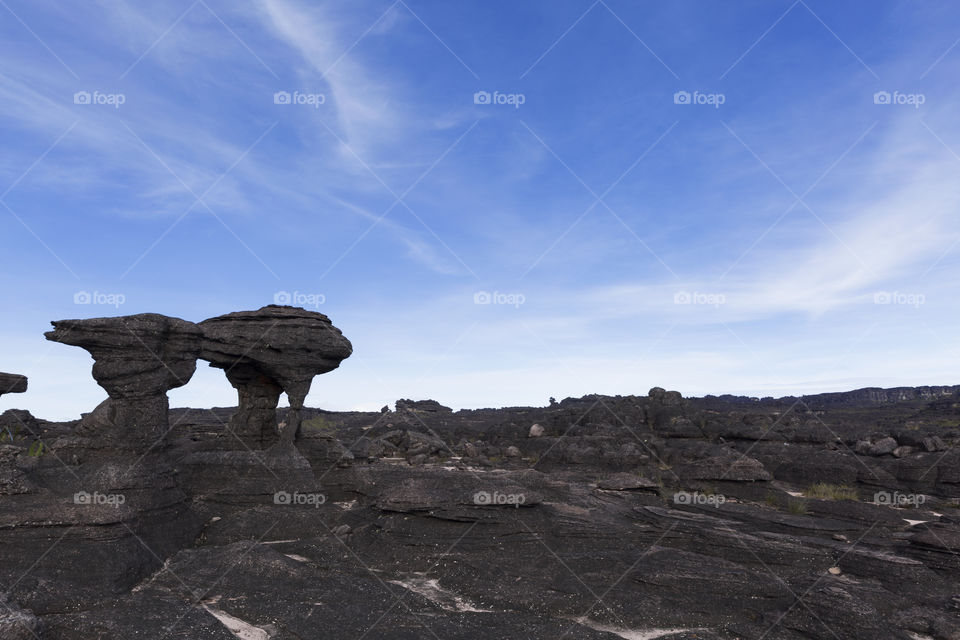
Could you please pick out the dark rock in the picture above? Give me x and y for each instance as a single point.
(431, 406)
(365, 526)
(878, 448)
(739, 468)
(12, 383)
(17, 624)
(626, 482)
(266, 352)
(137, 359)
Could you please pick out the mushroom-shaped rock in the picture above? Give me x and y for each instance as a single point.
(267, 352)
(137, 359)
(12, 383)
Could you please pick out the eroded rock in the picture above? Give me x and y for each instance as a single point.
(266, 352)
(137, 359)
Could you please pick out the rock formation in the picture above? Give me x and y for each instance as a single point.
(265, 353)
(11, 383)
(597, 517)
(137, 359)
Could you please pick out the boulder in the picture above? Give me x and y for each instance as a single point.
(881, 447)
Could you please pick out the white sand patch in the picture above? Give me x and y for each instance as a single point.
(346, 506)
(430, 589)
(236, 626)
(914, 523)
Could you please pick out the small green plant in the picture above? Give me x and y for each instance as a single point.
(825, 491)
(772, 500)
(320, 424)
(36, 449)
(797, 507)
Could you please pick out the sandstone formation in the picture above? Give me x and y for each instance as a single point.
(268, 352)
(11, 383)
(655, 515)
(137, 359)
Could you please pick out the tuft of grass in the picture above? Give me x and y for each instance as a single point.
(772, 500)
(36, 449)
(320, 424)
(824, 491)
(797, 507)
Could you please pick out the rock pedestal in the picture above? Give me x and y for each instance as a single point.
(268, 352)
(137, 359)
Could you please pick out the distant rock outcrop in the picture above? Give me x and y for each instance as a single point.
(137, 359)
(265, 353)
(12, 383)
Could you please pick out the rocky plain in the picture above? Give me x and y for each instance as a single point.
(602, 517)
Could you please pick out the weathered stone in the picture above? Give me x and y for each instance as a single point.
(137, 359)
(266, 352)
(12, 383)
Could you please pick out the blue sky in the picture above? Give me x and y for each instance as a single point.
(496, 202)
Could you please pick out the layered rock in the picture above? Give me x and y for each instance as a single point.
(137, 359)
(12, 383)
(268, 352)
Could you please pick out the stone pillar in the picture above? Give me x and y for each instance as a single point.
(137, 359)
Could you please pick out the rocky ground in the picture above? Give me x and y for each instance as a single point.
(653, 516)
